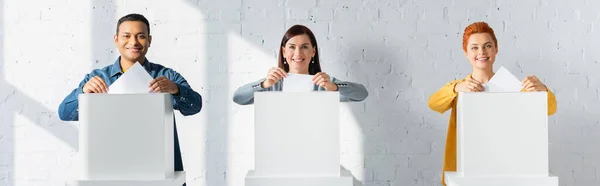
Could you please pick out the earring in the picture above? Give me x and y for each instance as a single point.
(312, 60)
(284, 62)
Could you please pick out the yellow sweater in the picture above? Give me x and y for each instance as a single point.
(444, 99)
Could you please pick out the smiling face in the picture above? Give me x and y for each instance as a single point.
(298, 52)
(480, 46)
(481, 51)
(133, 41)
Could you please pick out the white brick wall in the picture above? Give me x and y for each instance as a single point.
(402, 51)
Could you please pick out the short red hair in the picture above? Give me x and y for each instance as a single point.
(475, 28)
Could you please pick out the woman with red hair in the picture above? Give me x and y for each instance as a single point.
(480, 47)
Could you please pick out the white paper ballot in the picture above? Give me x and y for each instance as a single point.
(297, 83)
(134, 81)
(503, 81)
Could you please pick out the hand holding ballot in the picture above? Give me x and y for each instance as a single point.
(135, 80)
(532, 83)
(299, 82)
(163, 85)
(469, 85)
(501, 81)
(95, 85)
(323, 80)
(273, 76)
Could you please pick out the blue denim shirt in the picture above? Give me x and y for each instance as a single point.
(187, 101)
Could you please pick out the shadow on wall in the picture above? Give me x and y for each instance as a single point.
(217, 98)
(398, 144)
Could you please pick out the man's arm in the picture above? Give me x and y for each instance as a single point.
(68, 110)
(187, 101)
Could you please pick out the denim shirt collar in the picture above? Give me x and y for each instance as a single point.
(115, 68)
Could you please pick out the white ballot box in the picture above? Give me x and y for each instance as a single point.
(127, 139)
(297, 140)
(502, 139)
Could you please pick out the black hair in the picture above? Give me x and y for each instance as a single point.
(134, 17)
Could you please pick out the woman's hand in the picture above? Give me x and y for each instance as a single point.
(322, 79)
(273, 76)
(532, 83)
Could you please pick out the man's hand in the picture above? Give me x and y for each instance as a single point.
(95, 85)
(164, 85)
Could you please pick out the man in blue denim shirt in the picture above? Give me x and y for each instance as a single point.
(133, 39)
